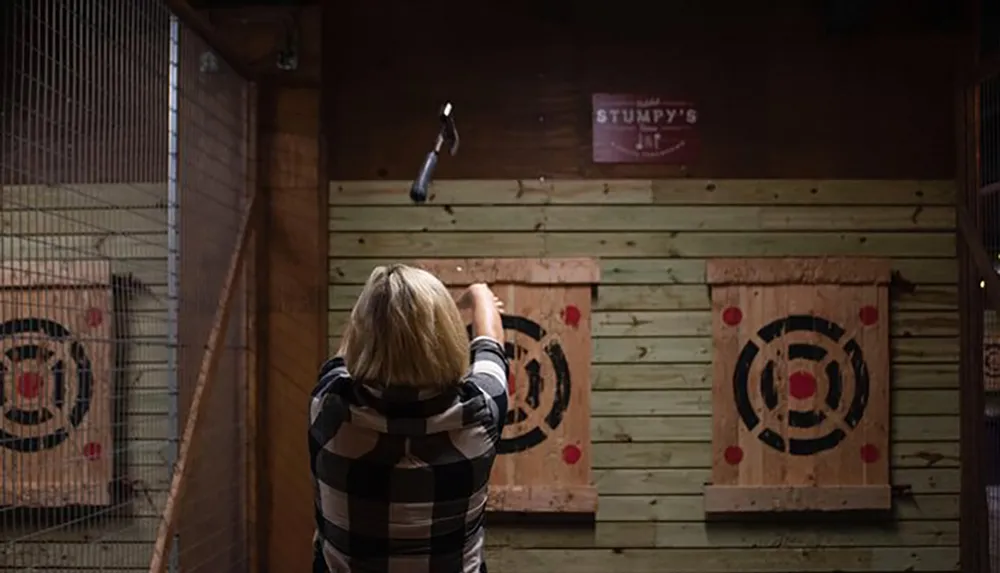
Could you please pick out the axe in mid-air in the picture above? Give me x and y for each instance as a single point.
(449, 135)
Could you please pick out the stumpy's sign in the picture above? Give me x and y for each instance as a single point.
(641, 129)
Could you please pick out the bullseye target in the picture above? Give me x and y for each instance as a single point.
(778, 352)
(800, 389)
(47, 384)
(991, 364)
(57, 350)
(991, 358)
(539, 385)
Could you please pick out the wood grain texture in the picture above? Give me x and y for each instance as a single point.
(612, 217)
(675, 192)
(293, 317)
(651, 407)
(345, 269)
(677, 244)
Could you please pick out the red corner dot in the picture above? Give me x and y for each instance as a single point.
(92, 451)
(869, 453)
(94, 317)
(732, 316)
(801, 385)
(571, 316)
(868, 315)
(571, 454)
(29, 385)
(733, 455)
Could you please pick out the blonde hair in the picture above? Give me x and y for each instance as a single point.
(406, 330)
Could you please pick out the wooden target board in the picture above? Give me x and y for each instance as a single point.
(991, 363)
(543, 462)
(800, 385)
(56, 346)
(991, 352)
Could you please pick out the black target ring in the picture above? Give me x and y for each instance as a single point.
(536, 385)
(84, 380)
(799, 419)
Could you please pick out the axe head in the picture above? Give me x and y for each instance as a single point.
(449, 133)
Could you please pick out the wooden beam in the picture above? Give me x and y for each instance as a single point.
(206, 373)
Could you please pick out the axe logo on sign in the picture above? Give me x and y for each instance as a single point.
(539, 385)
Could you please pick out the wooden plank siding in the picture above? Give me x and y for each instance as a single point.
(127, 225)
(652, 350)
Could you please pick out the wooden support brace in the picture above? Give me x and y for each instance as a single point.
(206, 373)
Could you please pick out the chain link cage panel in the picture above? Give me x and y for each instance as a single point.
(125, 165)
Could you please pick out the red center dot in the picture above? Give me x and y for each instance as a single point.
(94, 317)
(92, 451)
(511, 388)
(868, 315)
(732, 316)
(571, 316)
(802, 385)
(571, 454)
(29, 385)
(869, 453)
(733, 455)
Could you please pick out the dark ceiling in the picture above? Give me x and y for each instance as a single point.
(203, 4)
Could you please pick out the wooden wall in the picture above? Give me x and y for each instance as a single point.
(126, 223)
(652, 349)
(815, 142)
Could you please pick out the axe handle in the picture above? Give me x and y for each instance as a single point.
(418, 192)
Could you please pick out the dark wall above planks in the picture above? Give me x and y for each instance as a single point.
(783, 90)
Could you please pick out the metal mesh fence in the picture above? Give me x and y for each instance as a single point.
(125, 170)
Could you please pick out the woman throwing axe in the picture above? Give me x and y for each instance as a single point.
(403, 432)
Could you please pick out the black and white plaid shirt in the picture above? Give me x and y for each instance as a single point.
(401, 477)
